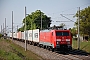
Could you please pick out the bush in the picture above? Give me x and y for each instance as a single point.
(89, 39)
(0, 35)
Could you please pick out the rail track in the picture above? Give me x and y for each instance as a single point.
(49, 55)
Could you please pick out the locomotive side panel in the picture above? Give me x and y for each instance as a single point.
(46, 39)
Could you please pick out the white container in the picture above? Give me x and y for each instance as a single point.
(30, 35)
(22, 36)
(26, 37)
(36, 35)
(10, 34)
(15, 35)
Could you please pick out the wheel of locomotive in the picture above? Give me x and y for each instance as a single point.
(44, 46)
(52, 49)
(49, 48)
(40, 45)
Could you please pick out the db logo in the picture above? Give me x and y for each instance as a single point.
(63, 38)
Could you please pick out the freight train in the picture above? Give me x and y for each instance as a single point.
(52, 39)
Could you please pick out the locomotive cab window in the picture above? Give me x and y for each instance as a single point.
(58, 33)
(65, 33)
(62, 33)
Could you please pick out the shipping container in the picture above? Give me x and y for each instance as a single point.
(22, 36)
(15, 35)
(26, 35)
(19, 35)
(35, 35)
(10, 34)
(30, 35)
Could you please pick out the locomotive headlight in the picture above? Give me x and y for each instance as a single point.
(58, 39)
(57, 42)
(67, 39)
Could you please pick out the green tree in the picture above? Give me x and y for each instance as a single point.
(84, 21)
(1, 35)
(33, 21)
(73, 31)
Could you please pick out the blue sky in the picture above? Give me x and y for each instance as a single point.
(52, 8)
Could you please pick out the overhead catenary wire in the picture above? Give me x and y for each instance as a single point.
(66, 18)
(69, 9)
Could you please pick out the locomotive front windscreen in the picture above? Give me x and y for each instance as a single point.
(62, 33)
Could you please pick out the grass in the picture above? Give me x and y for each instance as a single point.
(84, 45)
(11, 51)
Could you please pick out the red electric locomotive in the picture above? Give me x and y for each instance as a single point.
(56, 39)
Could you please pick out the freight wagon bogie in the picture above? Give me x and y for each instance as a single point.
(47, 46)
(35, 43)
(30, 42)
(50, 48)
